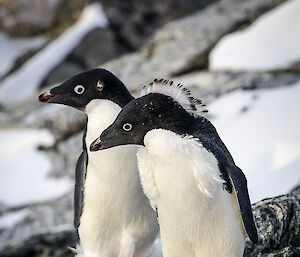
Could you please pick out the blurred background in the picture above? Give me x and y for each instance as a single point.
(241, 57)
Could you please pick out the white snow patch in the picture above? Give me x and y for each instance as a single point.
(9, 220)
(12, 48)
(24, 82)
(264, 140)
(24, 169)
(272, 42)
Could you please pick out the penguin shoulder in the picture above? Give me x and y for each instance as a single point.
(183, 151)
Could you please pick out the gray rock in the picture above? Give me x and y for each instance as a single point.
(21, 17)
(48, 217)
(62, 121)
(27, 18)
(61, 72)
(210, 85)
(278, 223)
(43, 245)
(277, 219)
(184, 45)
(143, 19)
(64, 156)
(98, 46)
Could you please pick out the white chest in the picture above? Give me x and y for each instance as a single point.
(197, 217)
(112, 192)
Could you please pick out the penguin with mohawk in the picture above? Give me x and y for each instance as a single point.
(112, 215)
(186, 172)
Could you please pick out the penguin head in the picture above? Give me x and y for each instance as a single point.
(84, 87)
(138, 117)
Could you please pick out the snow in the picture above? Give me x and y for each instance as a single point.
(25, 170)
(261, 130)
(272, 42)
(9, 220)
(12, 48)
(25, 81)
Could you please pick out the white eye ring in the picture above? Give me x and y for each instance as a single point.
(79, 89)
(127, 126)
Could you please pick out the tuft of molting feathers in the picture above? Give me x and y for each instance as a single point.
(179, 93)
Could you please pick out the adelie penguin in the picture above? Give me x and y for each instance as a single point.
(186, 171)
(112, 214)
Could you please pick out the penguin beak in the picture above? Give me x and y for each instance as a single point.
(96, 145)
(46, 97)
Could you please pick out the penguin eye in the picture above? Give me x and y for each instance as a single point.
(79, 89)
(127, 126)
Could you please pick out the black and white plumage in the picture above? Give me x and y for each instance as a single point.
(186, 171)
(112, 215)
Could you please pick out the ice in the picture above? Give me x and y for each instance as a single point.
(261, 130)
(25, 81)
(25, 170)
(272, 42)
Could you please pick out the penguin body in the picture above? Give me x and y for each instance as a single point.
(197, 217)
(186, 171)
(112, 214)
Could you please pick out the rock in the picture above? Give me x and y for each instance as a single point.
(61, 72)
(97, 47)
(184, 45)
(62, 121)
(51, 216)
(210, 85)
(48, 244)
(277, 219)
(278, 223)
(143, 19)
(28, 18)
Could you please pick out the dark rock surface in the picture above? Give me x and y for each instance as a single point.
(48, 244)
(278, 224)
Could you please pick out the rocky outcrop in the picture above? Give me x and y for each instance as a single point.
(28, 18)
(184, 45)
(48, 244)
(278, 223)
(143, 19)
(277, 220)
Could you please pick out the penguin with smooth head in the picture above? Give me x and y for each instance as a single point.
(186, 171)
(113, 217)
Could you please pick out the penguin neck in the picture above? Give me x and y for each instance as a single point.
(101, 113)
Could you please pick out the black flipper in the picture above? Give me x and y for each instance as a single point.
(80, 175)
(79, 187)
(233, 175)
(239, 183)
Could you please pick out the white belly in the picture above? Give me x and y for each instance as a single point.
(196, 216)
(116, 211)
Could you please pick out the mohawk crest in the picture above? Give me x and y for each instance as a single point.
(179, 93)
